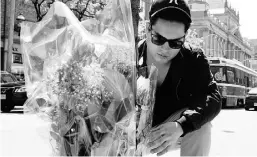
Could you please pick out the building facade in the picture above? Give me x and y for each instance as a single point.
(216, 3)
(217, 23)
(219, 28)
(253, 42)
(254, 61)
(24, 10)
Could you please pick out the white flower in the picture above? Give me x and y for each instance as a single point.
(143, 89)
(93, 74)
(143, 84)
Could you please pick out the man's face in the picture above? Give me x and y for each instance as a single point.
(162, 31)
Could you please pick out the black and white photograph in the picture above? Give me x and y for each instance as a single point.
(140, 78)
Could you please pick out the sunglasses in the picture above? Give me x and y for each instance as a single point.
(159, 40)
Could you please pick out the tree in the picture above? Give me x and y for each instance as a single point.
(84, 9)
(193, 39)
(135, 6)
(81, 8)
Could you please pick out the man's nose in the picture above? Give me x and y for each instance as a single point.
(166, 46)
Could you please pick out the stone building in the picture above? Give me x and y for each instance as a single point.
(254, 44)
(24, 11)
(216, 4)
(217, 23)
(254, 61)
(219, 28)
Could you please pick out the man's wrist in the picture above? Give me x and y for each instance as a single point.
(179, 128)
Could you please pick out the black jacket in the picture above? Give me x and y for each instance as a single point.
(188, 84)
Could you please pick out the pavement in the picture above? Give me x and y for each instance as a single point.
(23, 135)
(233, 134)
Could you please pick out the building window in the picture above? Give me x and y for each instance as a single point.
(17, 58)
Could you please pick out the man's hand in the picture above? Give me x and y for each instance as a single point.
(164, 137)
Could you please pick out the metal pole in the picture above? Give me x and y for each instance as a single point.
(5, 28)
(147, 8)
(1, 25)
(10, 36)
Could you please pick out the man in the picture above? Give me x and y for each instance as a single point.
(187, 98)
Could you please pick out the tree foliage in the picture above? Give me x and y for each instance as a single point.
(193, 39)
(83, 9)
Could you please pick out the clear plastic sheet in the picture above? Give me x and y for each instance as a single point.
(145, 100)
(80, 77)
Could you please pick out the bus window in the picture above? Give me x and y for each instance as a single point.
(237, 76)
(246, 80)
(218, 74)
(241, 79)
(243, 74)
(254, 81)
(231, 75)
(250, 80)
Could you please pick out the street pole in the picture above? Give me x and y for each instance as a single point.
(1, 30)
(147, 8)
(10, 36)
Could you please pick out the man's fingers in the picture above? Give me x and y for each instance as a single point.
(156, 128)
(164, 151)
(154, 137)
(156, 134)
(160, 148)
(156, 143)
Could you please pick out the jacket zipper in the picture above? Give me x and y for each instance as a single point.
(177, 89)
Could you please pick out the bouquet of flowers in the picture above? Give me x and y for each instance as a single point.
(145, 99)
(81, 79)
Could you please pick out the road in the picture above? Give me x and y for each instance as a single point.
(233, 134)
(23, 135)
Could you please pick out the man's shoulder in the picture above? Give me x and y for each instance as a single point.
(193, 52)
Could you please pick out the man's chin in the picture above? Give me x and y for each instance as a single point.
(162, 60)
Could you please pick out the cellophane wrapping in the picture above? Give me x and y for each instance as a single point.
(145, 100)
(80, 77)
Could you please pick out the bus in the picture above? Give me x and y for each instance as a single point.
(234, 80)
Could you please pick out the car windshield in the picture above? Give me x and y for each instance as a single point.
(7, 78)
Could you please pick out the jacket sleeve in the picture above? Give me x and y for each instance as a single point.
(205, 100)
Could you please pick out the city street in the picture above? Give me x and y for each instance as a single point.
(233, 134)
(92, 50)
(23, 135)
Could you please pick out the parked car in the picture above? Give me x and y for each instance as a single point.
(13, 92)
(251, 99)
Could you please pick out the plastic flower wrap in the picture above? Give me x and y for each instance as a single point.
(80, 76)
(145, 100)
